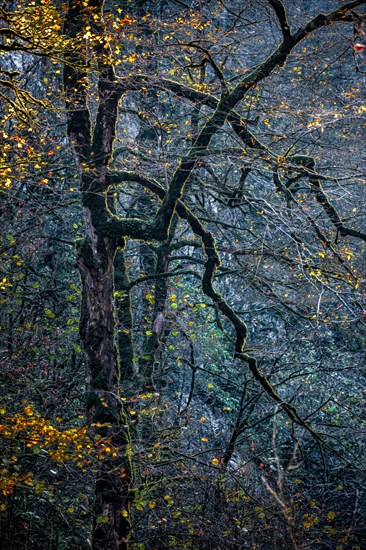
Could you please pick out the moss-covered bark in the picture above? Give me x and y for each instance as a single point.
(96, 254)
(125, 321)
(98, 335)
(150, 360)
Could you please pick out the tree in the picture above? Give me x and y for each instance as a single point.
(193, 180)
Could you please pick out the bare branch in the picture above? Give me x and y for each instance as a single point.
(280, 11)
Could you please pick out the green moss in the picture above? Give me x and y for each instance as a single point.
(99, 375)
(85, 253)
(303, 160)
(102, 413)
(106, 414)
(91, 400)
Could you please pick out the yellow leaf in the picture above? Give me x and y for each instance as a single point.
(40, 487)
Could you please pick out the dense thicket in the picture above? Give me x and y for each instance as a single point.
(182, 279)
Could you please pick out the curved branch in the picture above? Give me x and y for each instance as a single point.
(75, 81)
(211, 265)
(226, 105)
(280, 12)
(279, 57)
(332, 213)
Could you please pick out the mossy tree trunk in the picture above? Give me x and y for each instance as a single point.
(111, 524)
(125, 322)
(96, 255)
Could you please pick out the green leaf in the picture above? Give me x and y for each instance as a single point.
(49, 314)
(101, 519)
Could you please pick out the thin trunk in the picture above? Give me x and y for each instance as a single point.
(125, 322)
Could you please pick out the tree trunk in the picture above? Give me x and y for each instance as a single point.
(125, 339)
(111, 524)
(92, 146)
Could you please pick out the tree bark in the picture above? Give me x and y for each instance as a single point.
(111, 524)
(92, 147)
